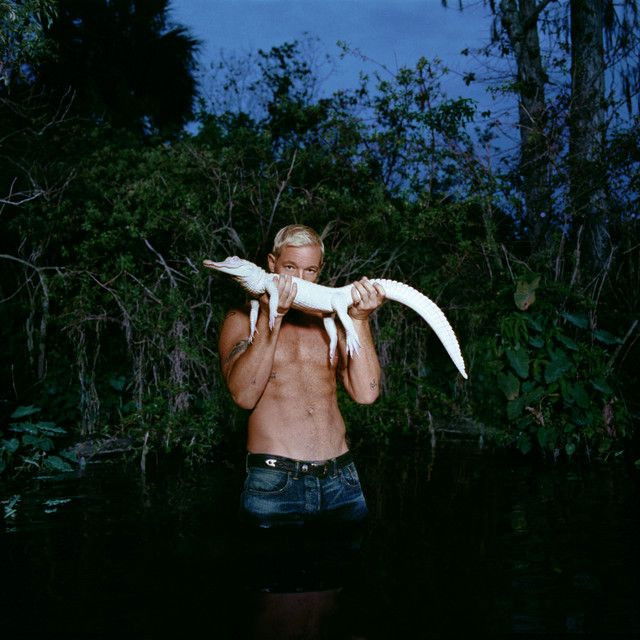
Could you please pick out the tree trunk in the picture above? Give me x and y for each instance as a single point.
(587, 169)
(520, 21)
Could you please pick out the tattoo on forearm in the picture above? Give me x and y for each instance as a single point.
(373, 384)
(239, 348)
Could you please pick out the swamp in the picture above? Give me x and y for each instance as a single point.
(461, 541)
(505, 504)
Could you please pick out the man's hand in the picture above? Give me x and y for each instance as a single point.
(287, 290)
(367, 298)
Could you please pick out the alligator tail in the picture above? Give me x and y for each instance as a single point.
(428, 311)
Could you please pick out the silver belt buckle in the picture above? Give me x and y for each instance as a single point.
(270, 462)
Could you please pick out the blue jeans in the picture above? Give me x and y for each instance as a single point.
(272, 497)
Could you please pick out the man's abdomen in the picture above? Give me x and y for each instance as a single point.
(304, 431)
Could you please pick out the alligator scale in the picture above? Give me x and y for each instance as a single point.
(329, 300)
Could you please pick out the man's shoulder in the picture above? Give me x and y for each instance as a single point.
(235, 319)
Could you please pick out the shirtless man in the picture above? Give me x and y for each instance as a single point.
(298, 465)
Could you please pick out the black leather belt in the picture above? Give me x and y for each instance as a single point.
(318, 468)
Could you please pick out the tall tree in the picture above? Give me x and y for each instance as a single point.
(124, 61)
(587, 130)
(592, 57)
(519, 19)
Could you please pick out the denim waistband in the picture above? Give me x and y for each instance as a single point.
(319, 468)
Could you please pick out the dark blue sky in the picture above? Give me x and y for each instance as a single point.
(390, 32)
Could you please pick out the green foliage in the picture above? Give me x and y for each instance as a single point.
(32, 445)
(111, 324)
(11, 507)
(556, 383)
(22, 28)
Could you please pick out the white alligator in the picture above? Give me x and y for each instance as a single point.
(328, 300)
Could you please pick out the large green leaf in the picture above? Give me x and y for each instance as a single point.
(515, 408)
(546, 437)
(21, 412)
(606, 337)
(509, 385)
(54, 463)
(533, 395)
(69, 455)
(117, 382)
(599, 384)
(567, 342)
(37, 442)
(557, 366)
(533, 320)
(525, 294)
(24, 427)
(580, 395)
(577, 319)
(11, 446)
(519, 360)
(566, 391)
(50, 429)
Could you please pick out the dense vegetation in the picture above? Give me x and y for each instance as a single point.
(109, 323)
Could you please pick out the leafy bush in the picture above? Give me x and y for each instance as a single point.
(557, 388)
(33, 445)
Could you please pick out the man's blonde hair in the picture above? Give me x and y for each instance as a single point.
(296, 235)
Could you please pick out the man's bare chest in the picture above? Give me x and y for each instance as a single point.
(303, 347)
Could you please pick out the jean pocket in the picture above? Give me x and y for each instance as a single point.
(349, 475)
(267, 481)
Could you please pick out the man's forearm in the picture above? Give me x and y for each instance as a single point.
(250, 373)
(363, 370)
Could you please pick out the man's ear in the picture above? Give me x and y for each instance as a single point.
(271, 261)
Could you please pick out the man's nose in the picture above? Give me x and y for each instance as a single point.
(300, 273)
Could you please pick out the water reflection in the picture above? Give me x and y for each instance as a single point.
(297, 577)
(463, 544)
(283, 616)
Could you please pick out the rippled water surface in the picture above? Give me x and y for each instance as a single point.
(459, 542)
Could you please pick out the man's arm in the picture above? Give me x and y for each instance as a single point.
(246, 366)
(360, 374)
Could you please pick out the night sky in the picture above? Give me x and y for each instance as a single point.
(392, 33)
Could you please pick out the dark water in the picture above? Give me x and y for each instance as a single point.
(461, 543)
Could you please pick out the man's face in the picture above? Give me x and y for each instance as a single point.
(301, 262)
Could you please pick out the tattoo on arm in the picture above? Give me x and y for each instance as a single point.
(239, 348)
(373, 384)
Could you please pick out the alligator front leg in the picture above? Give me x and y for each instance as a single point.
(253, 318)
(272, 290)
(341, 307)
(330, 326)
